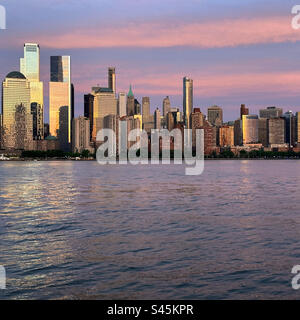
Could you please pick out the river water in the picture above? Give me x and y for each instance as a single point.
(78, 230)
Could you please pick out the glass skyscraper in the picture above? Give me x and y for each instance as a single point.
(30, 67)
(60, 100)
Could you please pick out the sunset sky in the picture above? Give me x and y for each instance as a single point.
(236, 51)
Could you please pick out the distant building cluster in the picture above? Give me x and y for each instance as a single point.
(22, 124)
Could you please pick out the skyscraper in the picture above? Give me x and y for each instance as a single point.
(276, 128)
(122, 104)
(105, 103)
(166, 106)
(250, 129)
(112, 79)
(290, 128)
(81, 134)
(130, 103)
(148, 118)
(89, 110)
(157, 119)
(30, 64)
(30, 67)
(243, 111)
(16, 113)
(187, 100)
(146, 108)
(60, 96)
(215, 115)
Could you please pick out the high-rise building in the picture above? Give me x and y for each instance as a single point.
(148, 119)
(30, 67)
(197, 122)
(276, 128)
(166, 106)
(89, 110)
(16, 112)
(137, 107)
(60, 99)
(263, 132)
(30, 64)
(130, 103)
(215, 115)
(290, 128)
(250, 129)
(122, 104)
(145, 108)
(105, 104)
(187, 101)
(81, 134)
(112, 79)
(270, 112)
(226, 136)
(244, 111)
(238, 135)
(157, 119)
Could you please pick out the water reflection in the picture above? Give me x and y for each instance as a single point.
(80, 230)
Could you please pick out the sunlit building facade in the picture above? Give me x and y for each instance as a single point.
(250, 129)
(60, 99)
(105, 103)
(16, 113)
(187, 101)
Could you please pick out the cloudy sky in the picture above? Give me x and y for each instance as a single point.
(236, 51)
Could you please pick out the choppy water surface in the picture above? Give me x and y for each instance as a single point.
(83, 231)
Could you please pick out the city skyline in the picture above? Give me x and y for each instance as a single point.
(259, 69)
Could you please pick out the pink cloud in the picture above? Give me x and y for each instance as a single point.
(215, 34)
(207, 84)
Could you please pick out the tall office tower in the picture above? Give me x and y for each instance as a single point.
(270, 112)
(197, 121)
(147, 119)
(187, 101)
(16, 112)
(244, 111)
(166, 106)
(122, 104)
(146, 108)
(89, 110)
(215, 115)
(290, 128)
(81, 134)
(130, 102)
(238, 136)
(276, 128)
(30, 67)
(112, 79)
(105, 103)
(60, 100)
(137, 107)
(226, 136)
(157, 119)
(263, 131)
(250, 129)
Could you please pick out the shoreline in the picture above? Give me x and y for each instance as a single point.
(87, 160)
